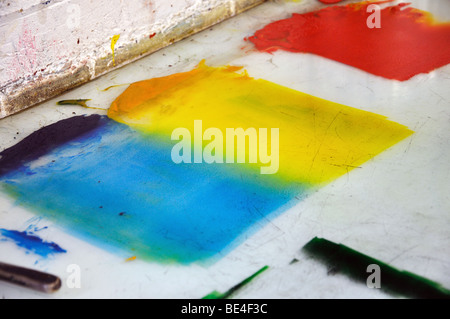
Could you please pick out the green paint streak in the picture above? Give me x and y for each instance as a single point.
(113, 86)
(342, 259)
(217, 295)
(81, 102)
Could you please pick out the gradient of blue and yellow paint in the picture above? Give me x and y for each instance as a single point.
(117, 186)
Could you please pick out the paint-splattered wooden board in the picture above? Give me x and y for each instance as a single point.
(393, 207)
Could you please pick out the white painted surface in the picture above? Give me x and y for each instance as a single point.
(395, 208)
(44, 39)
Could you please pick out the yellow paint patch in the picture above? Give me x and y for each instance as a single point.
(319, 140)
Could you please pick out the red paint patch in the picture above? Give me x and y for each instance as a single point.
(151, 35)
(407, 43)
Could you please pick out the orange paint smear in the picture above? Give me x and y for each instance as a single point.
(131, 258)
(408, 42)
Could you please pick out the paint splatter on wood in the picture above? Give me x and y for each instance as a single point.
(114, 40)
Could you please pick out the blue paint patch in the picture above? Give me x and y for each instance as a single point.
(31, 242)
(121, 190)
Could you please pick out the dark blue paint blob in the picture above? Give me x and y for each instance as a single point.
(32, 242)
(46, 139)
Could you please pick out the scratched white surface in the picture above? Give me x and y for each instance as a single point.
(38, 38)
(395, 208)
